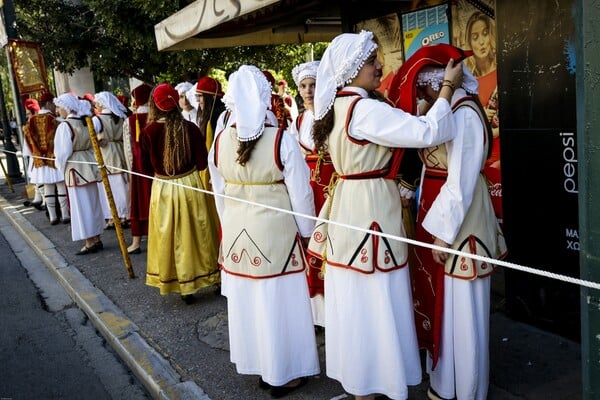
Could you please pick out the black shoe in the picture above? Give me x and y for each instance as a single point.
(188, 298)
(54, 221)
(281, 391)
(65, 220)
(262, 384)
(109, 226)
(432, 395)
(39, 206)
(98, 245)
(86, 250)
(135, 251)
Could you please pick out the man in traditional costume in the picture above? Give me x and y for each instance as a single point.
(39, 135)
(75, 158)
(371, 344)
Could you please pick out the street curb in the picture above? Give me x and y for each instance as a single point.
(155, 372)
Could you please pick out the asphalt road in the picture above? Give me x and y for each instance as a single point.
(49, 348)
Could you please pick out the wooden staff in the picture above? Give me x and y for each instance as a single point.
(111, 200)
(7, 177)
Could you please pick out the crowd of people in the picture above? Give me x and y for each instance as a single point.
(271, 170)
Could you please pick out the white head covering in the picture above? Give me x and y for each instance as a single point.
(85, 108)
(434, 76)
(110, 101)
(306, 70)
(68, 102)
(190, 95)
(341, 62)
(248, 96)
(183, 87)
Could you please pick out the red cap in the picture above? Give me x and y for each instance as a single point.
(269, 77)
(45, 97)
(165, 97)
(89, 97)
(141, 94)
(32, 105)
(210, 86)
(403, 90)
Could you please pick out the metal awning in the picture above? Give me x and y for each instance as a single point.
(210, 24)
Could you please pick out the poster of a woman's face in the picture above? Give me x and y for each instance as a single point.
(480, 37)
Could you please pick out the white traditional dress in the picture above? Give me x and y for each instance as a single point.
(270, 323)
(371, 345)
(75, 158)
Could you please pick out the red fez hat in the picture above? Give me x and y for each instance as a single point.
(141, 94)
(32, 105)
(269, 77)
(403, 90)
(89, 97)
(210, 86)
(165, 97)
(45, 97)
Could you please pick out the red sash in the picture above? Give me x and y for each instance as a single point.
(319, 183)
(428, 276)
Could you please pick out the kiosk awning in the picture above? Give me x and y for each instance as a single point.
(211, 24)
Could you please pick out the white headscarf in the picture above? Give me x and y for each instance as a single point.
(85, 108)
(248, 96)
(110, 101)
(434, 76)
(183, 87)
(69, 102)
(305, 70)
(341, 62)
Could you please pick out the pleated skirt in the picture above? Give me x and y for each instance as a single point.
(182, 239)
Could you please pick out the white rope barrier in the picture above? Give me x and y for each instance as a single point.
(501, 263)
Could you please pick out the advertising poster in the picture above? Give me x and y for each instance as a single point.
(28, 65)
(474, 28)
(424, 27)
(387, 32)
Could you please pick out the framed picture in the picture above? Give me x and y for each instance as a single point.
(28, 66)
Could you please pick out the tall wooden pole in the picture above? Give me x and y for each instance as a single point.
(111, 200)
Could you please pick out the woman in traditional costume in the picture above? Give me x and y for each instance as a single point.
(182, 245)
(271, 332)
(371, 344)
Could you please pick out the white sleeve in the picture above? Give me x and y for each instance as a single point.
(296, 176)
(216, 179)
(97, 124)
(465, 154)
(63, 145)
(383, 124)
(127, 147)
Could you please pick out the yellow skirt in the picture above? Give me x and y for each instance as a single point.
(182, 237)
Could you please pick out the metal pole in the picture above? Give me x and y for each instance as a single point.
(12, 163)
(11, 32)
(587, 51)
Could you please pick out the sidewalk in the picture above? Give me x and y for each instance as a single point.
(180, 351)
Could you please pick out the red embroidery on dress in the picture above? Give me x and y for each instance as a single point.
(387, 257)
(294, 260)
(237, 258)
(364, 258)
(319, 237)
(463, 264)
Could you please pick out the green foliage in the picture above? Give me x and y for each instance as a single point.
(116, 38)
